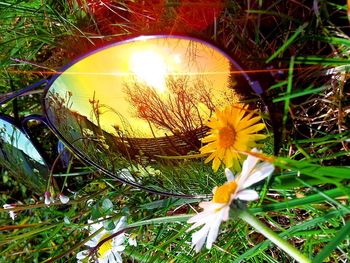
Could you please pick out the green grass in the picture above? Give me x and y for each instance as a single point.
(306, 200)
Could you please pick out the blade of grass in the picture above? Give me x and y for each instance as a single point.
(299, 94)
(26, 235)
(288, 42)
(52, 235)
(289, 90)
(334, 40)
(278, 85)
(311, 60)
(18, 7)
(311, 169)
(288, 181)
(327, 250)
(325, 139)
(312, 199)
(329, 199)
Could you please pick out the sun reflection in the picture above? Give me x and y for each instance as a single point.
(149, 67)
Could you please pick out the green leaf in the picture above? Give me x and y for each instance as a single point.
(95, 212)
(107, 206)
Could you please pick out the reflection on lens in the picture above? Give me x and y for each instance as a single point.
(130, 106)
(21, 158)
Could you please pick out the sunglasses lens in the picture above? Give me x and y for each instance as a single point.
(138, 109)
(19, 156)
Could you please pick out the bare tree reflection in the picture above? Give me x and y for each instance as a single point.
(180, 109)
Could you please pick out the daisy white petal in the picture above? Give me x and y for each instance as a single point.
(118, 258)
(247, 195)
(196, 224)
(111, 258)
(201, 218)
(82, 255)
(210, 220)
(214, 229)
(119, 248)
(120, 225)
(91, 243)
(260, 173)
(210, 205)
(118, 240)
(105, 260)
(229, 175)
(225, 213)
(249, 163)
(12, 214)
(199, 237)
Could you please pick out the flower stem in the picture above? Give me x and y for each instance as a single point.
(273, 237)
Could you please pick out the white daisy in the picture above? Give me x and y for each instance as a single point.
(109, 251)
(217, 210)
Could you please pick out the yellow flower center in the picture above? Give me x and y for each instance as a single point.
(223, 193)
(227, 137)
(106, 246)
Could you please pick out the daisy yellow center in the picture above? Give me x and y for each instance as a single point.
(227, 137)
(223, 193)
(106, 246)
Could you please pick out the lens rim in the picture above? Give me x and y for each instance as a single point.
(253, 84)
(20, 127)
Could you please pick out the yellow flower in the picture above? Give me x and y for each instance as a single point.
(233, 130)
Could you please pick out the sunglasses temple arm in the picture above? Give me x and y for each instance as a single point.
(12, 95)
(38, 146)
(260, 83)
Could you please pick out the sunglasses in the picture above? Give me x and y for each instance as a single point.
(135, 110)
